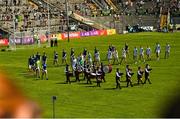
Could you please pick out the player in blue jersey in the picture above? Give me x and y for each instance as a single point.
(55, 62)
(44, 71)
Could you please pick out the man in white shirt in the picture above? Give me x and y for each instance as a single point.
(109, 54)
(167, 51)
(141, 53)
(116, 57)
(158, 50)
(123, 55)
(97, 57)
(148, 53)
(135, 54)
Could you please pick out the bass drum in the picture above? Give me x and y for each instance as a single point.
(107, 69)
(110, 68)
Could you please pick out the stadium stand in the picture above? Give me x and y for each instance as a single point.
(31, 16)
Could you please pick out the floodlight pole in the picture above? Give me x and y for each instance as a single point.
(48, 24)
(14, 28)
(67, 19)
(122, 16)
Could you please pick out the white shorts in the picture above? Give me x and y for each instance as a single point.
(44, 71)
(55, 60)
(124, 56)
(37, 69)
(30, 66)
(97, 59)
(64, 58)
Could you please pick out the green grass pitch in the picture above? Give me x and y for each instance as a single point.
(85, 100)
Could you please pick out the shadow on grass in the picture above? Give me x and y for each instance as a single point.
(83, 83)
(109, 88)
(28, 75)
(61, 83)
(115, 88)
(136, 84)
(91, 86)
(65, 82)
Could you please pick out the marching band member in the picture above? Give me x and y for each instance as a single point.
(139, 75)
(98, 77)
(77, 74)
(127, 69)
(102, 72)
(84, 53)
(118, 78)
(147, 73)
(87, 72)
(129, 75)
(67, 71)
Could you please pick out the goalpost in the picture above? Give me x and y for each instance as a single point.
(12, 42)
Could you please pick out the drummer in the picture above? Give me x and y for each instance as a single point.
(98, 77)
(84, 53)
(77, 74)
(87, 72)
(67, 71)
(102, 72)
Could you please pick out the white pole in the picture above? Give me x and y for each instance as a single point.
(67, 18)
(13, 46)
(49, 24)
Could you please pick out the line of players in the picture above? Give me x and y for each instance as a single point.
(112, 54)
(34, 64)
(129, 75)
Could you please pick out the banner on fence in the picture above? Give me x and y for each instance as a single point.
(24, 41)
(56, 36)
(89, 33)
(71, 35)
(43, 38)
(103, 32)
(111, 31)
(4, 42)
